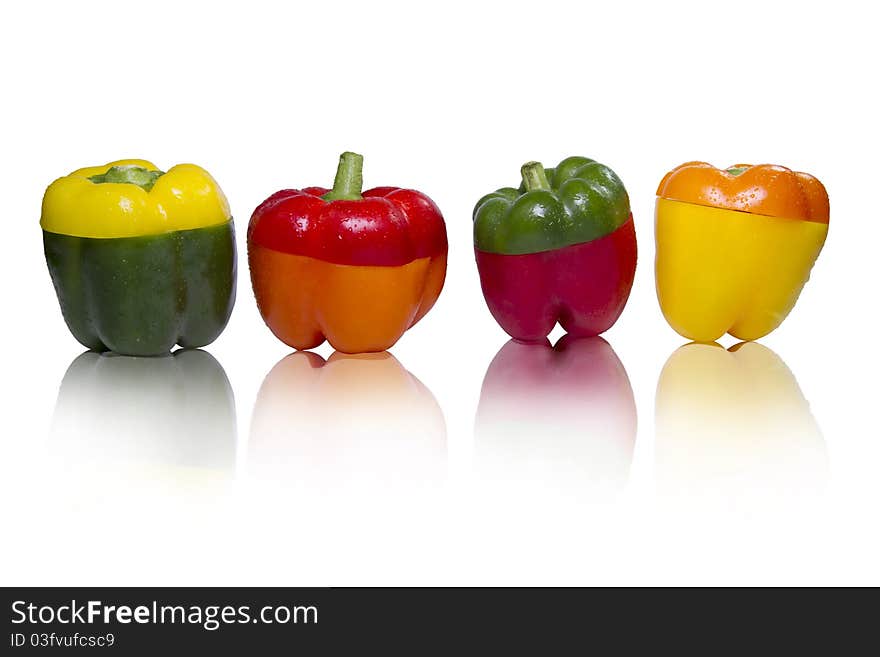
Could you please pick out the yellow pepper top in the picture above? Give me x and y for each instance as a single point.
(130, 198)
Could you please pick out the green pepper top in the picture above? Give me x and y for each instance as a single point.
(578, 201)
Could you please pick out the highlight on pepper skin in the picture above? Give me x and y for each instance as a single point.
(141, 259)
(734, 424)
(354, 268)
(155, 424)
(351, 422)
(735, 247)
(556, 420)
(559, 249)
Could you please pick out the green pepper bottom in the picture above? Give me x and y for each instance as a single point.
(139, 296)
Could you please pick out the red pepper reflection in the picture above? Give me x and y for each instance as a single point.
(354, 420)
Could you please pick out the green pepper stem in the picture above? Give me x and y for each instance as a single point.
(129, 174)
(534, 177)
(349, 178)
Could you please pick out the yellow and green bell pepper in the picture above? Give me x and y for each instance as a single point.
(141, 259)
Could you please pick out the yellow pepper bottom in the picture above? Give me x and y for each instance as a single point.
(723, 271)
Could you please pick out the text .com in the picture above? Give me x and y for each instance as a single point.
(210, 617)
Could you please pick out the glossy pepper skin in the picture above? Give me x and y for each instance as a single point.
(735, 246)
(141, 259)
(355, 269)
(561, 248)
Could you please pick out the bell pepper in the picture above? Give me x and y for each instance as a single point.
(354, 268)
(141, 259)
(561, 248)
(567, 411)
(735, 246)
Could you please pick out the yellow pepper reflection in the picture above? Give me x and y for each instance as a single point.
(734, 422)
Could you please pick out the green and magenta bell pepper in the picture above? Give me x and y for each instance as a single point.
(561, 248)
(141, 259)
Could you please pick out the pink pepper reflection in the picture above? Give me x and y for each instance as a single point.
(560, 417)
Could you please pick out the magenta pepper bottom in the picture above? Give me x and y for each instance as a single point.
(583, 287)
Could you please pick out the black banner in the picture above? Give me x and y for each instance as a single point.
(266, 621)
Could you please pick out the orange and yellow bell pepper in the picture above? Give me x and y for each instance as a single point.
(735, 246)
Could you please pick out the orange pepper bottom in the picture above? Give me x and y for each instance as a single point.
(356, 308)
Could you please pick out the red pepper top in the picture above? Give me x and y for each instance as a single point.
(382, 226)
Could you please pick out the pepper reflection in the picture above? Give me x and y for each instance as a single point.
(560, 417)
(355, 420)
(151, 419)
(734, 422)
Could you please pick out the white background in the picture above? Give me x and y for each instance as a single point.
(364, 485)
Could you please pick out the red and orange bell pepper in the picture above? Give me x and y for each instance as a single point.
(354, 268)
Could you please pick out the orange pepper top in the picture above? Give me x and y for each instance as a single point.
(765, 189)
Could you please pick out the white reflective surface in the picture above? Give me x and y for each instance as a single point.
(550, 467)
